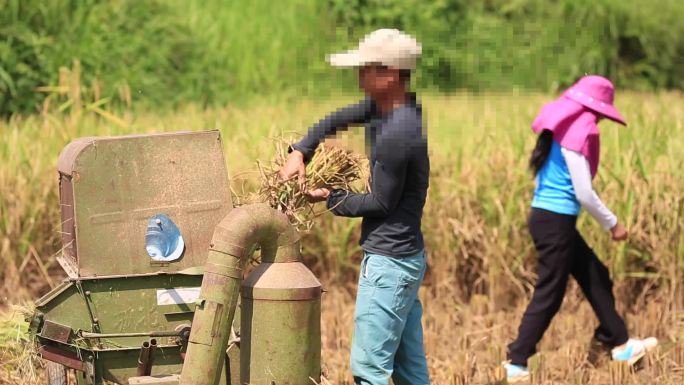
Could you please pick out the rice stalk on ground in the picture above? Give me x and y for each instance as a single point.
(19, 361)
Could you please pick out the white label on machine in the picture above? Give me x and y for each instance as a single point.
(177, 296)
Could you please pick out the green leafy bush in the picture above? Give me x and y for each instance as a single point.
(504, 44)
(164, 53)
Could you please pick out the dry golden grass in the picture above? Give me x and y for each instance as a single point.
(466, 342)
(19, 363)
(481, 258)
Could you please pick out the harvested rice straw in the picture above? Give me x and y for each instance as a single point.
(331, 167)
(19, 360)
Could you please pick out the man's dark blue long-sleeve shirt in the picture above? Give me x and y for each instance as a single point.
(400, 170)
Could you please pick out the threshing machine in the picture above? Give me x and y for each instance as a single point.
(155, 255)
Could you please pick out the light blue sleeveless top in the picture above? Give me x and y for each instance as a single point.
(554, 191)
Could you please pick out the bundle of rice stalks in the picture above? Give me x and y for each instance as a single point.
(331, 167)
(18, 357)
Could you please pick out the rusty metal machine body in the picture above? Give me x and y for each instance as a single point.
(126, 318)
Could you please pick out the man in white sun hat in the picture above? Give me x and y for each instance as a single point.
(388, 336)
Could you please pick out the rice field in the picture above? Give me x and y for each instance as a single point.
(481, 259)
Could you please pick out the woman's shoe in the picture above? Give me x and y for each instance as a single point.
(516, 373)
(634, 350)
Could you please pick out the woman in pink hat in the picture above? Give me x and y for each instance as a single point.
(565, 160)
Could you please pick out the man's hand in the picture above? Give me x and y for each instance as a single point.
(619, 232)
(294, 167)
(318, 195)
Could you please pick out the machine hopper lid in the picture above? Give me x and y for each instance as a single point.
(289, 281)
(111, 186)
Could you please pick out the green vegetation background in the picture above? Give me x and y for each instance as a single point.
(162, 53)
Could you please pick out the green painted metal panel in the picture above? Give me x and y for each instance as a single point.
(281, 342)
(121, 305)
(111, 186)
(280, 325)
(126, 304)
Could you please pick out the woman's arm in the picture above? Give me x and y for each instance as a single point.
(578, 166)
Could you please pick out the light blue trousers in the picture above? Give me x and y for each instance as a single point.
(388, 335)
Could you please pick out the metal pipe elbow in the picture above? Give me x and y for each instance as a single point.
(248, 226)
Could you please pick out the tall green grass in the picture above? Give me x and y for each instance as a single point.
(123, 44)
(165, 53)
(540, 44)
(160, 53)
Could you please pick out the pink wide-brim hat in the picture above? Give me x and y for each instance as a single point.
(596, 93)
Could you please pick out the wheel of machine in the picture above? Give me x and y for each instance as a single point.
(56, 373)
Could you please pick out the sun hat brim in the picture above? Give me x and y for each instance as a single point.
(605, 109)
(347, 59)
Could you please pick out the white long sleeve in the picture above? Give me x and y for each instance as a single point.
(580, 173)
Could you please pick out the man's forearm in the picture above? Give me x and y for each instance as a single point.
(341, 119)
(347, 204)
